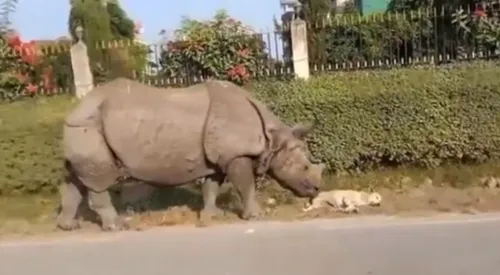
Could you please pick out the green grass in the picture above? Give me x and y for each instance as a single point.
(30, 151)
(30, 112)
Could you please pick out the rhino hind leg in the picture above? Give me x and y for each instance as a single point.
(210, 189)
(240, 174)
(101, 203)
(93, 165)
(71, 193)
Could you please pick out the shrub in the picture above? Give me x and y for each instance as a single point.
(110, 36)
(222, 48)
(350, 37)
(483, 26)
(20, 66)
(422, 116)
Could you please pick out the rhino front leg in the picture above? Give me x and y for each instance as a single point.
(240, 173)
(101, 203)
(210, 190)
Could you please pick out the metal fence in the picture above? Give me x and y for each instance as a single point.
(272, 62)
(343, 42)
(396, 39)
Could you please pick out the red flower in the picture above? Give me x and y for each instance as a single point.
(32, 88)
(14, 40)
(28, 52)
(238, 71)
(479, 12)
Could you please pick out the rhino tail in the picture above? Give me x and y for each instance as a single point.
(87, 112)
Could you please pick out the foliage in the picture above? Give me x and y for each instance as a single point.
(94, 20)
(315, 12)
(376, 37)
(222, 48)
(122, 27)
(482, 25)
(7, 7)
(11, 87)
(102, 27)
(134, 56)
(423, 116)
(349, 37)
(23, 69)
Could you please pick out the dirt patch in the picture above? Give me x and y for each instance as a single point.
(405, 193)
(414, 201)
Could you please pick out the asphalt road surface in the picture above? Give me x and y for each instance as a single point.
(450, 245)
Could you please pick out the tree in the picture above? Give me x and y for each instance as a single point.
(122, 27)
(315, 13)
(93, 18)
(105, 22)
(7, 7)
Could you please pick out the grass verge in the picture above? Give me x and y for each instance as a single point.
(405, 192)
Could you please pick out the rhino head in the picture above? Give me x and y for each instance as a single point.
(287, 162)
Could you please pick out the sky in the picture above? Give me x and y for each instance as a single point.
(47, 19)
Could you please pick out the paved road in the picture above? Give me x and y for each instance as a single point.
(451, 245)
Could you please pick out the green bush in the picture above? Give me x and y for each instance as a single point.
(422, 116)
(223, 48)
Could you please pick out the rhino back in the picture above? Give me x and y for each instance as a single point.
(157, 133)
(87, 112)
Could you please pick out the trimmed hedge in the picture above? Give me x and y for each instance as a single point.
(420, 116)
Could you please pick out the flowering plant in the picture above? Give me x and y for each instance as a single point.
(22, 68)
(222, 48)
(482, 24)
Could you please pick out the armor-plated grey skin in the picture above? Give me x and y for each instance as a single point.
(174, 136)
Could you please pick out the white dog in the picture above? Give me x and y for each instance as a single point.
(346, 201)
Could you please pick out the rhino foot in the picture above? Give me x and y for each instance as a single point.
(118, 225)
(68, 225)
(211, 213)
(252, 213)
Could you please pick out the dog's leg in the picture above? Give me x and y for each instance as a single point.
(351, 209)
(348, 206)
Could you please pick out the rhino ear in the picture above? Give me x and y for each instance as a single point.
(300, 131)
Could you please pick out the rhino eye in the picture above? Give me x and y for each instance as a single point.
(306, 167)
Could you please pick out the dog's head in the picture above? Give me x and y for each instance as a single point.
(374, 199)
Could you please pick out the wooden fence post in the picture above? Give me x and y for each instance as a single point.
(83, 79)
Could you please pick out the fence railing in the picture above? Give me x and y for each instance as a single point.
(343, 42)
(423, 36)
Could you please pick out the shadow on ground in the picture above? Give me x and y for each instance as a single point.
(166, 200)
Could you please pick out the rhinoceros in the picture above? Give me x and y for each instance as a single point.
(172, 136)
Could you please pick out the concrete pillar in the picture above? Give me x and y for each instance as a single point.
(300, 55)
